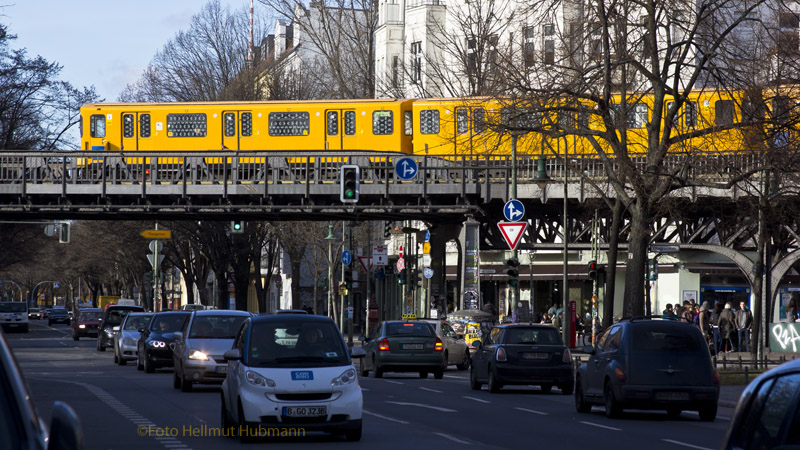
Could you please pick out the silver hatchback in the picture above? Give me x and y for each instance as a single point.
(199, 347)
(127, 336)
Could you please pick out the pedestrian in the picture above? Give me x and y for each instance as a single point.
(704, 322)
(791, 309)
(668, 313)
(557, 321)
(715, 327)
(744, 322)
(727, 326)
(553, 309)
(688, 312)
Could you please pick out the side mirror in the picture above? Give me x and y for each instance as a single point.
(116, 328)
(65, 429)
(232, 355)
(357, 352)
(588, 349)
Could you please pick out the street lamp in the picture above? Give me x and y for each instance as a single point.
(330, 238)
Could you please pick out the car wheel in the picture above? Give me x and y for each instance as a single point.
(244, 426)
(546, 388)
(446, 360)
(186, 385)
(364, 370)
(120, 360)
(49, 323)
(225, 419)
(75, 337)
(353, 435)
(566, 389)
(100, 346)
(377, 372)
(176, 380)
(116, 358)
(464, 365)
(494, 386)
(423, 374)
(613, 409)
(473, 380)
(139, 365)
(148, 365)
(438, 374)
(581, 405)
(708, 413)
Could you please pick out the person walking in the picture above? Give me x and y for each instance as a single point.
(791, 309)
(744, 322)
(688, 312)
(705, 324)
(715, 327)
(668, 313)
(727, 326)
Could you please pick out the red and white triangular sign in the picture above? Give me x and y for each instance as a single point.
(365, 260)
(512, 232)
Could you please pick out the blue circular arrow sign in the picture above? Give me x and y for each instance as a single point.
(346, 257)
(513, 210)
(428, 272)
(406, 168)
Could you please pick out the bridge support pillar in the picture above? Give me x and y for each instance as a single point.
(469, 241)
(440, 236)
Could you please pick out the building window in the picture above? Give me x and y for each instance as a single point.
(429, 121)
(289, 124)
(528, 47)
(596, 40)
(395, 71)
(472, 55)
(549, 48)
(97, 126)
(382, 123)
(416, 62)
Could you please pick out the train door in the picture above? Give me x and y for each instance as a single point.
(233, 129)
(340, 129)
(135, 126)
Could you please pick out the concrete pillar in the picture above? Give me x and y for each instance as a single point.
(440, 235)
(469, 238)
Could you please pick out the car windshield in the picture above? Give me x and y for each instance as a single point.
(540, 336)
(136, 322)
(662, 338)
(59, 312)
(90, 315)
(409, 329)
(115, 316)
(13, 307)
(193, 307)
(216, 327)
(296, 344)
(168, 323)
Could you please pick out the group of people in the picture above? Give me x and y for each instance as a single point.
(725, 329)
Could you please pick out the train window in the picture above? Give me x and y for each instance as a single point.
(636, 114)
(462, 120)
(408, 122)
(97, 126)
(289, 124)
(247, 124)
(723, 112)
(186, 125)
(429, 121)
(478, 120)
(350, 123)
(781, 107)
(382, 123)
(690, 112)
(230, 124)
(144, 125)
(127, 125)
(333, 123)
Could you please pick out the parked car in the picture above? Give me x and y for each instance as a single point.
(766, 416)
(193, 307)
(87, 323)
(649, 364)
(291, 311)
(154, 349)
(456, 350)
(403, 346)
(34, 313)
(14, 316)
(126, 338)
(113, 317)
(522, 355)
(308, 382)
(199, 347)
(58, 315)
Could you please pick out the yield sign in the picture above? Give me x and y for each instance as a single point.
(365, 261)
(512, 232)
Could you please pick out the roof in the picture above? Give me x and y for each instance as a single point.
(220, 312)
(174, 313)
(299, 318)
(525, 325)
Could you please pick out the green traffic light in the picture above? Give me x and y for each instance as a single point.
(349, 194)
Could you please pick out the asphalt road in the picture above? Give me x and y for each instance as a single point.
(122, 408)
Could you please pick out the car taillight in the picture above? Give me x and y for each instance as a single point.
(383, 345)
(501, 354)
(716, 377)
(620, 374)
(439, 345)
(567, 358)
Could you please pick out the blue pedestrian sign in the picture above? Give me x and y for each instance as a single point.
(380, 274)
(428, 272)
(406, 168)
(513, 210)
(346, 257)
(56, 285)
(427, 237)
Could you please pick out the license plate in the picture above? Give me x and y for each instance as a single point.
(412, 346)
(305, 411)
(535, 355)
(672, 396)
(222, 369)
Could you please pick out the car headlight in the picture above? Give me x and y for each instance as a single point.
(129, 342)
(157, 344)
(257, 380)
(109, 332)
(348, 377)
(197, 354)
(81, 326)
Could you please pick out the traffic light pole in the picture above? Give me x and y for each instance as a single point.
(342, 296)
(514, 253)
(350, 296)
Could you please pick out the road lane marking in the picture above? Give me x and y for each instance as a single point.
(601, 426)
(370, 413)
(453, 438)
(421, 405)
(476, 399)
(393, 382)
(685, 444)
(533, 411)
(430, 390)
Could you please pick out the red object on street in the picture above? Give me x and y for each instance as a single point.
(573, 320)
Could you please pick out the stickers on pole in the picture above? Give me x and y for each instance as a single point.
(512, 232)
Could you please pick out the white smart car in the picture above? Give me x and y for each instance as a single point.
(291, 371)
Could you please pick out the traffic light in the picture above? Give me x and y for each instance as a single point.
(513, 272)
(63, 232)
(348, 278)
(420, 279)
(348, 184)
(387, 229)
(593, 270)
(237, 226)
(652, 269)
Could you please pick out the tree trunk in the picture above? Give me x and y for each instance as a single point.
(637, 260)
(296, 301)
(222, 290)
(611, 267)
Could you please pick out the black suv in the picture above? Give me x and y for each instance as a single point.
(58, 315)
(649, 364)
(112, 318)
(157, 341)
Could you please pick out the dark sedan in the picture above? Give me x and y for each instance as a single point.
(399, 346)
(522, 355)
(158, 339)
(58, 315)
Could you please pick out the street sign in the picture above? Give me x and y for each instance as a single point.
(152, 258)
(346, 257)
(380, 255)
(426, 247)
(155, 246)
(400, 253)
(56, 285)
(513, 210)
(406, 168)
(512, 232)
(427, 236)
(401, 264)
(665, 248)
(426, 260)
(380, 274)
(365, 263)
(428, 272)
(157, 234)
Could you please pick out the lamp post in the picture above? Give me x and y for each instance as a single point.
(566, 321)
(19, 289)
(330, 238)
(37, 286)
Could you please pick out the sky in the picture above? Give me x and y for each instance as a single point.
(105, 43)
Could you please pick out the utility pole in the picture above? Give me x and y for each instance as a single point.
(595, 284)
(514, 253)
(350, 308)
(567, 320)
